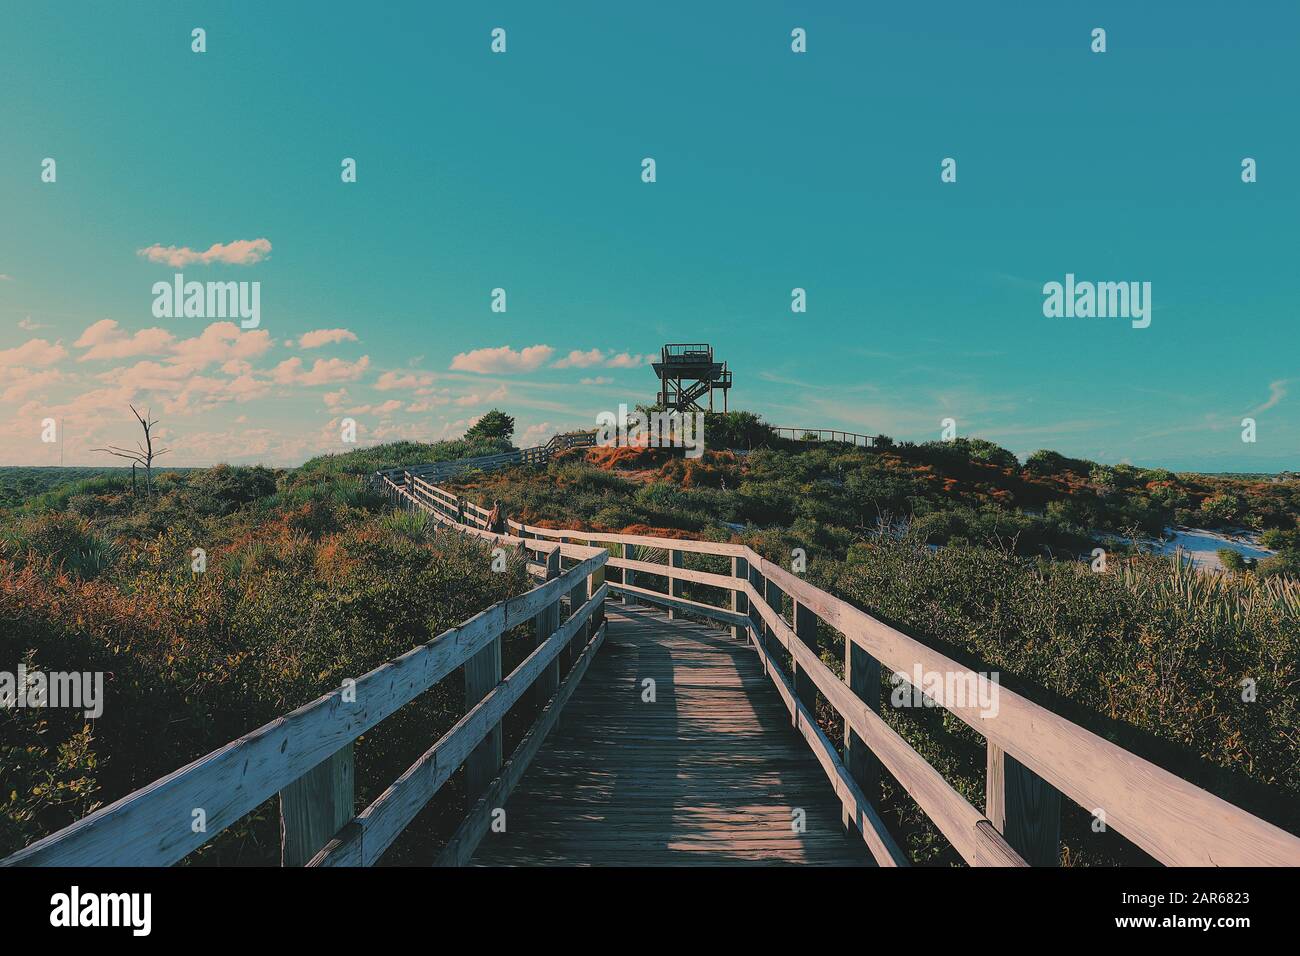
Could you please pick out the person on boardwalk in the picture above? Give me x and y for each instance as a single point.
(497, 519)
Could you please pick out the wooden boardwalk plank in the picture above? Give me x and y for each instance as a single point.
(710, 773)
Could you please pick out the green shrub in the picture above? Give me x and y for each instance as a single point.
(67, 543)
(1231, 560)
(1151, 656)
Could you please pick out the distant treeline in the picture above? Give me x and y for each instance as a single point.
(18, 483)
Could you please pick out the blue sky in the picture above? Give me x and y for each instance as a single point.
(774, 171)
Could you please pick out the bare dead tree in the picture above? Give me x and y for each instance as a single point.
(142, 454)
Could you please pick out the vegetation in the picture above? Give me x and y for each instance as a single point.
(19, 483)
(1152, 656)
(493, 426)
(364, 461)
(823, 497)
(308, 579)
(960, 545)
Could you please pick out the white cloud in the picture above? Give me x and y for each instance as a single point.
(595, 357)
(34, 352)
(25, 381)
(241, 252)
(624, 360)
(576, 359)
(496, 395)
(1276, 392)
(221, 342)
(104, 340)
(318, 337)
(322, 372)
(502, 359)
(536, 434)
(392, 381)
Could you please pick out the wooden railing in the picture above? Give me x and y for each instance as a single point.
(824, 435)
(541, 454)
(1034, 756)
(533, 455)
(307, 756)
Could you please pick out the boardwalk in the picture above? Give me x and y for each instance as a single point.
(707, 774)
(717, 770)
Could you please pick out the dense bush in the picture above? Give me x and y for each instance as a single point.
(744, 430)
(308, 580)
(402, 454)
(1151, 655)
(66, 543)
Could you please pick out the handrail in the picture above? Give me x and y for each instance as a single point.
(836, 435)
(364, 840)
(532, 455)
(1030, 748)
(306, 755)
(541, 454)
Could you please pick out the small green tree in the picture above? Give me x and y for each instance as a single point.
(1224, 508)
(1232, 560)
(494, 424)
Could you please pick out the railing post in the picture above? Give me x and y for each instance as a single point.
(675, 560)
(482, 674)
(594, 580)
(577, 598)
(805, 629)
(739, 599)
(772, 596)
(759, 585)
(544, 625)
(316, 806)
(862, 674)
(1024, 808)
(629, 576)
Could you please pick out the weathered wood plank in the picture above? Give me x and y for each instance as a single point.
(805, 629)
(152, 826)
(946, 808)
(482, 674)
(1024, 808)
(677, 563)
(682, 604)
(545, 625)
(384, 820)
(683, 544)
(315, 806)
(862, 674)
(1175, 821)
(772, 597)
(577, 598)
(686, 574)
(468, 835)
(708, 772)
(865, 819)
(739, 599)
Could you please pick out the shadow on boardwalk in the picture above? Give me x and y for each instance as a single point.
(707, 774)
